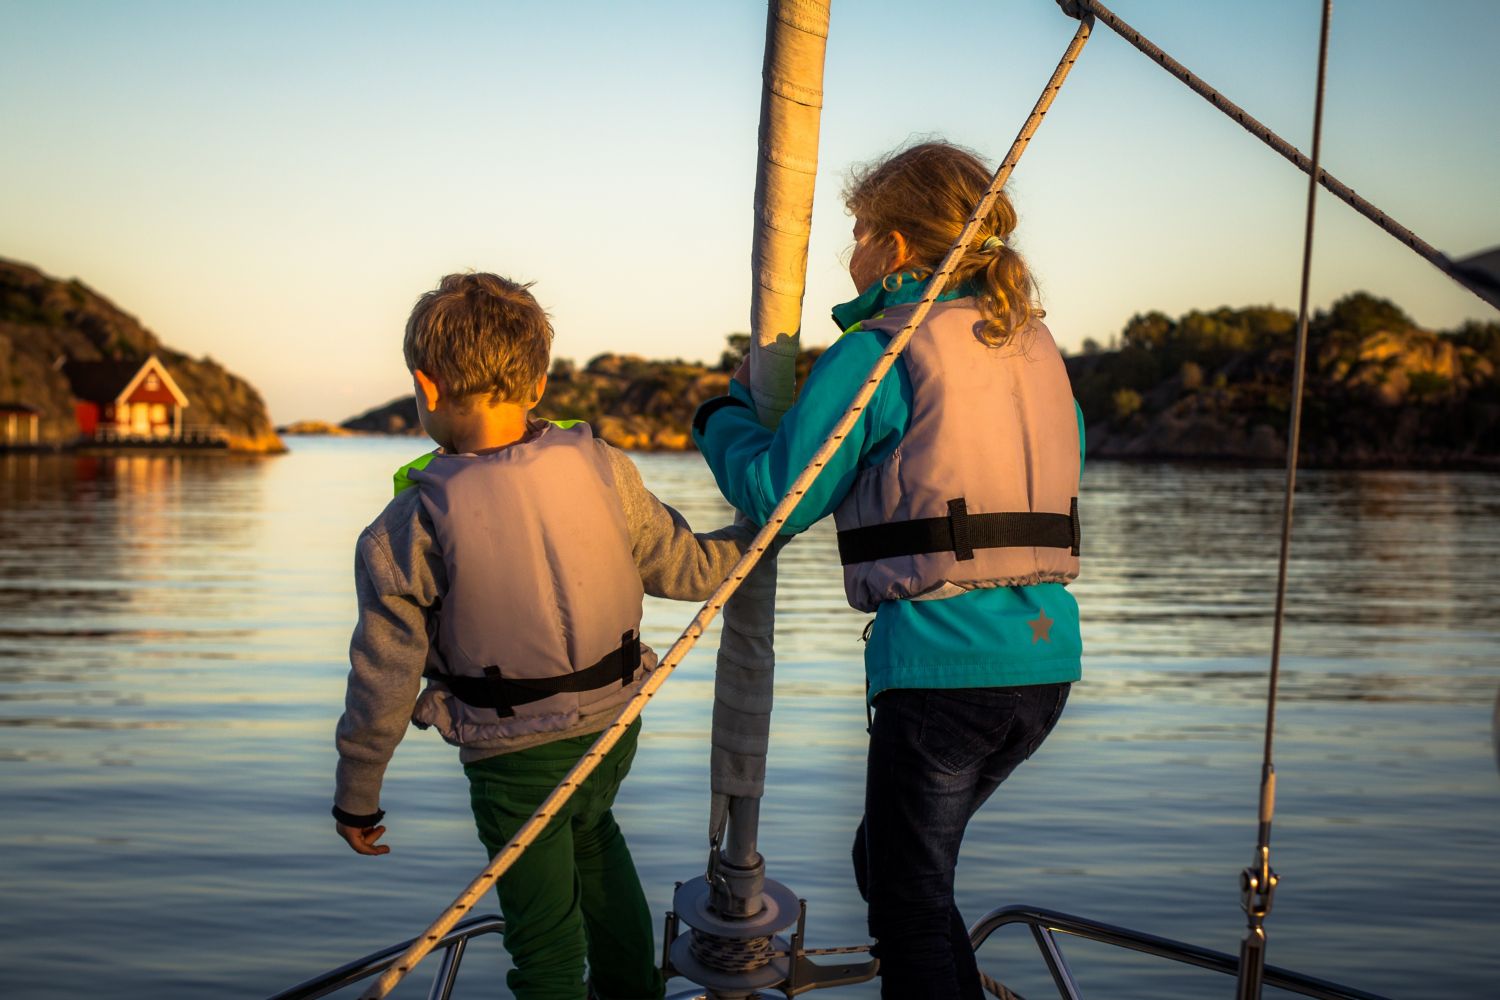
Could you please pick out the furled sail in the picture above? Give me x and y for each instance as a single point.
(791, 107)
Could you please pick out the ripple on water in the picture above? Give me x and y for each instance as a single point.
(172, 641)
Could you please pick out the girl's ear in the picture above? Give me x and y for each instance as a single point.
(900, 252)
(427, 391)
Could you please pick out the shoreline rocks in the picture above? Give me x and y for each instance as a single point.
(1380, 392)
(1212, 386)
(46, 322)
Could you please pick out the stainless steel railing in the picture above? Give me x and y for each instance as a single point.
(452, 944)
(1045, 925)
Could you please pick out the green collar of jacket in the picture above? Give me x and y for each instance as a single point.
(878, 297)
(403, 481)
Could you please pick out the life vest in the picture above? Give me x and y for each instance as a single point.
(982, 491)
(540, 619)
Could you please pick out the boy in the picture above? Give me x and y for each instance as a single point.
(508, 571)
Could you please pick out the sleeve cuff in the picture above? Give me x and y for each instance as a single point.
(708, 409)
(361, 822)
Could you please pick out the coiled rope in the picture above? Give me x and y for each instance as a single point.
(1250, 124)
(732, 955)
(764, 539)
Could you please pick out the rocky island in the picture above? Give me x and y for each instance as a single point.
(630, 402)
(1381, 392)
(1206, 386)
(68, 355)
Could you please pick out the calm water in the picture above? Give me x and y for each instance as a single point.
(172, 634)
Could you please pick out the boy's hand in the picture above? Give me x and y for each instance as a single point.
(362, 841)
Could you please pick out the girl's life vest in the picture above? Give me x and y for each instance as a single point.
(983, 489)
(540, 619)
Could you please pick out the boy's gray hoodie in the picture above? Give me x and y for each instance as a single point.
(399, 577)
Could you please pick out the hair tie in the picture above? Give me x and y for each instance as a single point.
(991, 243)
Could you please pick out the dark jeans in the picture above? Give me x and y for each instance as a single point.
(935, 756)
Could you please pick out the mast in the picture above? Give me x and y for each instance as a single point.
(786, 171)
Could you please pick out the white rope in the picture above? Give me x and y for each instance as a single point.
(996, 988)
(533, 827)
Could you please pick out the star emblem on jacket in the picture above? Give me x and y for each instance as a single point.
(1041, 627)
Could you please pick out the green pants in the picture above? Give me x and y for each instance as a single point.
(574, 893)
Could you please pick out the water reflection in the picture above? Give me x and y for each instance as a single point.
(172, 639)
(1387, 567)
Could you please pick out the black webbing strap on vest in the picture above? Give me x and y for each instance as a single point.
(503, 694)
(961, 533)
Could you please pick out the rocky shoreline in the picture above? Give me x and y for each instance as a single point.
(1209, 386)
(1381, 392)
(632, 403)
(46, 322)
(1205, 387)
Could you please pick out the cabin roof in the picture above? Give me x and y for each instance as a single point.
(100, 381)
(107, 381)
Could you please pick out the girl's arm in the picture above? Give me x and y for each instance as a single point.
(754, 466)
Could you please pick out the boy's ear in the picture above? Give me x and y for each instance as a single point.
(541, 387)
(427, 391)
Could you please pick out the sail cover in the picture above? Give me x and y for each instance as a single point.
(791, 107)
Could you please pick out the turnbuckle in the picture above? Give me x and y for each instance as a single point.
(1258, 885)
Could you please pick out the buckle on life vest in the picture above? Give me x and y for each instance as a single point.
(505, 694)
(958, 528)
(630, 657)
(962, 533)
(503, 706)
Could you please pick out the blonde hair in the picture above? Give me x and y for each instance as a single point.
(926, 193)
(480, 334)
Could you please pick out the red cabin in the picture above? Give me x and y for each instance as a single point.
(130, 399)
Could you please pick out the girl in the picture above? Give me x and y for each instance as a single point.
(955, 498)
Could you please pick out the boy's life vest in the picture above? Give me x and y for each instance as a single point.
(982, 491)
(540, 619)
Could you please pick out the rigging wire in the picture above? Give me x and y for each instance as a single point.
(1258, 882)
(763, 541)
(1203, 89)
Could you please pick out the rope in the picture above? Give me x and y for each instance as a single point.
(732, 955)
(1250, 124)
(996, 988)
(502, 861)
(1259, 881)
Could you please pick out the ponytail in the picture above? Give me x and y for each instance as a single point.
(926, 193)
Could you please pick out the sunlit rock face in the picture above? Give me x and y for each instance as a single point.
(1210, 385)
(630, 401)
(46, 322)
(1380, 390)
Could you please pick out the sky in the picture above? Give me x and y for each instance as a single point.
(273, 184)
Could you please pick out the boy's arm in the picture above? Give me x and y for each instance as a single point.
(387, 654)
(674, 561)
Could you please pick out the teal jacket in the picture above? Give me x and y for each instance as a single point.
(997, 637)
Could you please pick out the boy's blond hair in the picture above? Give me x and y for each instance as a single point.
(480, 334)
